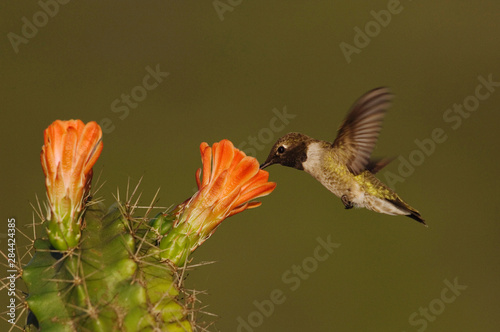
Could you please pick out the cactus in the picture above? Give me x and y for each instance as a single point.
(105, 269)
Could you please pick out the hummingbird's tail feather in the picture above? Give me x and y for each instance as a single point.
(416, 216)
(411, 212)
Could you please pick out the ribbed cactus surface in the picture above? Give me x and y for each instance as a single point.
(114, 281)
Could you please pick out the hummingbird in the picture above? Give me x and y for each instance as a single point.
(345, 166)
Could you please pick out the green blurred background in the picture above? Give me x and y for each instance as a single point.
(225, 78)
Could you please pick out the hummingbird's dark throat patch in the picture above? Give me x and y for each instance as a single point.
(296, 156)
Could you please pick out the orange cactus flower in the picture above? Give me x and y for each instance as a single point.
(70, 150)
(230, 180)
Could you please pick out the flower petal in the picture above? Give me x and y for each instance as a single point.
(223, 156)
(238, 209)
(197, 177)
(90, 145)
(226, 202)
(238, 156)
(262, 190)
(246, 169)
(206, 156)
(69, 144)
(260, 178)
(215, 188)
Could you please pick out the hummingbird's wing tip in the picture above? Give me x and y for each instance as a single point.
(359, 131)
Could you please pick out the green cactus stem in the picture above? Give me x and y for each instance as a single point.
(108, 282)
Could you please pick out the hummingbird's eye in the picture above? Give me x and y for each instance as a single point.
(281, 149)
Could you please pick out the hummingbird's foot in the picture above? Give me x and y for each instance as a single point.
(347, 203)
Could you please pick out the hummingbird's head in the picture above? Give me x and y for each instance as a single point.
(289, 150)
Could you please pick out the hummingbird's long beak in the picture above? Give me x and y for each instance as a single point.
(264, 165)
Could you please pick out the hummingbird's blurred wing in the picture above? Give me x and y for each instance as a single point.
(358, 134)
